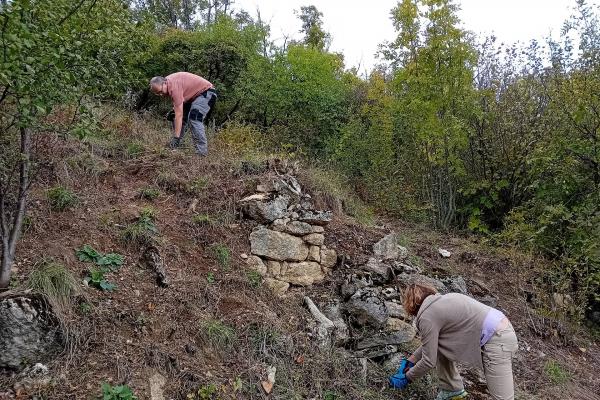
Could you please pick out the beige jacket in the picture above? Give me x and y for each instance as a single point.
(449, 325)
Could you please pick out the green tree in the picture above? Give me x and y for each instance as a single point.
(312, 27)
(434, 97)
(52, 53)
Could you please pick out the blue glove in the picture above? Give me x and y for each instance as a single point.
(399, 380)
(405, 365)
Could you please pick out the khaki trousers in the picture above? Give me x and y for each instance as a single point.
(497, 355)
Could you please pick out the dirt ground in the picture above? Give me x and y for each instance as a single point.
(139, 330)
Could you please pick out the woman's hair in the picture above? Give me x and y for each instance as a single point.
(413, 297)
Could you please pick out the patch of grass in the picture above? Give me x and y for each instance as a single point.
(210, 278)
(121, 392)
(197, 185)
(218, 335)
(202, 219)
(556, 372)
(85, 308)
(149, 193)
(134, 150)
(254, 279)
(55, 282)
(333, 189)
(222, 253)
(143, 231)
(61, 198)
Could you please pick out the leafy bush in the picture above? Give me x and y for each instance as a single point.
(111, 260)
(61, 198)
(96, 279)
(121, 392)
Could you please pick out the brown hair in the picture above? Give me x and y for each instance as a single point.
(413, 297)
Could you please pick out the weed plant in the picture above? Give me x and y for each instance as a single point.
(61, 198)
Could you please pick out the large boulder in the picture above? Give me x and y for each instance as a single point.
(300, 228)
(381, 273)
(29, 332)
(259, 209)
(367, 308)
(388, 248)
(405, 334)
(277, 246)
(302, 274)
(315, 217)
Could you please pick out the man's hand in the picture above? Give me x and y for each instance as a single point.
(175, 142)
(405, 365)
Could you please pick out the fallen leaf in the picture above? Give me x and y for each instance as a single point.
(151, 307)
(267, 386)
(300, 359)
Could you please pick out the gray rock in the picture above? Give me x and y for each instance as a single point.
(28, 332)
(456, 284)
(390, 293)
(314, 254)
(366, 308)
(393, 338)
(354, 282)
(302, 274)
(392, 363)
(380, 272)
(376, 352)
(396, 310)
(387, 248)
(157, 384)
(273, 268)
(444, 253)
(316, 239)
(277, 245)
(328, 257)
(276, 286)
(255, 263)
(265, 211)
(315, 217)
(406, 266)
(299, 228)
(341, 333)
(408, 279)
(288, 185)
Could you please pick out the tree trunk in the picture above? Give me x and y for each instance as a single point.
(11, 227)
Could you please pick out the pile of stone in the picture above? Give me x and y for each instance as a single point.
(288, 246)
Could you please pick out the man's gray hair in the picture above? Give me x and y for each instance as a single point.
(157, 81)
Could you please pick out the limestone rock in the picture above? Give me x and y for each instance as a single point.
(456, 284)
(314, 254)
(302, 274)
(315, 217)
(388, 248)
(396, 324)
(157, 384)
(255, 263)
(274, 268)
(328, 257)
(396, 310)
(404, 335)
(277, 287)
(444, 253)
(376, 352)
(407, 279)
(356, 281)
(380, 272)
(300, 228)
(316, 239)
(277, 245)
(28, 331)
(265, 211)
(366, 308)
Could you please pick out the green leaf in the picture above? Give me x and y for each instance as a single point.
(107, 286)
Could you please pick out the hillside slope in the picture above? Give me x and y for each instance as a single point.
(216, 329)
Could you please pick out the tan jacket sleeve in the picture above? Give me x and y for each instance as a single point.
(428, 351)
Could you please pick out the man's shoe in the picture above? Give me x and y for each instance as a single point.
(449, 395)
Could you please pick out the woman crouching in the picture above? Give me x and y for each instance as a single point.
(455, 328)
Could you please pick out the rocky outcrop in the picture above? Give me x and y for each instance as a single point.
(29, 332)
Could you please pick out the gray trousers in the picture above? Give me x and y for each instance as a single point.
(497, 355)
(195, 116)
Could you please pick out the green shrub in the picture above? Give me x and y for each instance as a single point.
(196, 186)
(96, 279)
(111, 260)
(254, 278)
(143, 231)
(61, 198)
(121, 392)
(149, 193)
